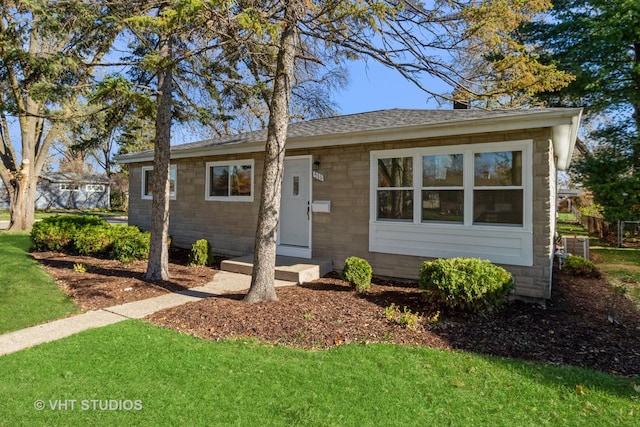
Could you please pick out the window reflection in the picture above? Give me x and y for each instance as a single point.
(443, 170)
(503, 168)
(395, 204)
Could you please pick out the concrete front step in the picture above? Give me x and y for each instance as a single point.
(290, 269)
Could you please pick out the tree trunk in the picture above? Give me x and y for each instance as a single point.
(264, 261)
(636, 107)
(158, 265)
(22, 198)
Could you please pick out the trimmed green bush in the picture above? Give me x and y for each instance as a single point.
(90, 235)
(579, 266)
(130, 244)
(466, 284)
(201, 253)
(357, 272)
(95, 240)
(58, 233)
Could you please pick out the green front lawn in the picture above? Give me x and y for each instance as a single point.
(175, 379)
(4, 214)
(28, 296)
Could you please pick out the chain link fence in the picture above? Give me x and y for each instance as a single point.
(623, 234)
(628, 235)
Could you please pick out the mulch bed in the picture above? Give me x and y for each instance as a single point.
(107, 282)
(586, 323)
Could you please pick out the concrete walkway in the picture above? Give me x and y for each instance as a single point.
(223, 282)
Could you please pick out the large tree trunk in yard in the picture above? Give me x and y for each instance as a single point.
(264, 262)
(158, 265)
(22, 194)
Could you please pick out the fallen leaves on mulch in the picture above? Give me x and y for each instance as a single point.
(320, 314)
(586, 323)
(106, 283)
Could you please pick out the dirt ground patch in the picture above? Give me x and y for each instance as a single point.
(586, 323)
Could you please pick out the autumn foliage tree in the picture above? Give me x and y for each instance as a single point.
(598, 41)
(417, 39)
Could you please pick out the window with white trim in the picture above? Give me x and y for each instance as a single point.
(395, 189)
(454, 201)
(497, 188)
(467, 185)
(94, 188)
(65, 186)
(442, 188)
(147, 182)
(230, 181)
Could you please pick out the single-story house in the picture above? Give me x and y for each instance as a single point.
(566, 197)
(395, 187)
(67, 190)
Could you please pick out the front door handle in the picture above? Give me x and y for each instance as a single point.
(308, 210)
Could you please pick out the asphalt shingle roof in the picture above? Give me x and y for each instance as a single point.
(75, 177)
(360, 122)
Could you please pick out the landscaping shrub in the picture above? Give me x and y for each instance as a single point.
(95, 240)
(90, 235)
(130, 243)
(58, 233)
(403, 318)
(201, 253)
(357, 272)
(467, 284)
(579, 266)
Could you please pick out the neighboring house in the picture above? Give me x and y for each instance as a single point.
(566, 197)
(395, 187)
(66, 190)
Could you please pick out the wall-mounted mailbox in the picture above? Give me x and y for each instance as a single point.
(321, 206)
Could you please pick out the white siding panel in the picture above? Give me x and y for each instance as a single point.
(497, 244)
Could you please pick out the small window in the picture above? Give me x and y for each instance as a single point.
(94, 188)
(147, 182)
(395, 189)
(229, 181)
(64, 186)
(296, 186)
(443, 188)
(498, 191)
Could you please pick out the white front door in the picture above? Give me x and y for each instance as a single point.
(294, 237)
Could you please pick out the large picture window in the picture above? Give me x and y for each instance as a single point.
(470, 200)
(473, 200)
(466, 185)
(229, 181)
(147, 182)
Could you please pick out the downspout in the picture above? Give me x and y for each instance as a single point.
(554, 219)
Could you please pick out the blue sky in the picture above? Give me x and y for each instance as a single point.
(375, 87)
(371, 87)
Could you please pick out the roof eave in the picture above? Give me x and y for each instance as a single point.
(563, 122)
(564, 138)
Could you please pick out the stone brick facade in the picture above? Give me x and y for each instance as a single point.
(344, 232)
